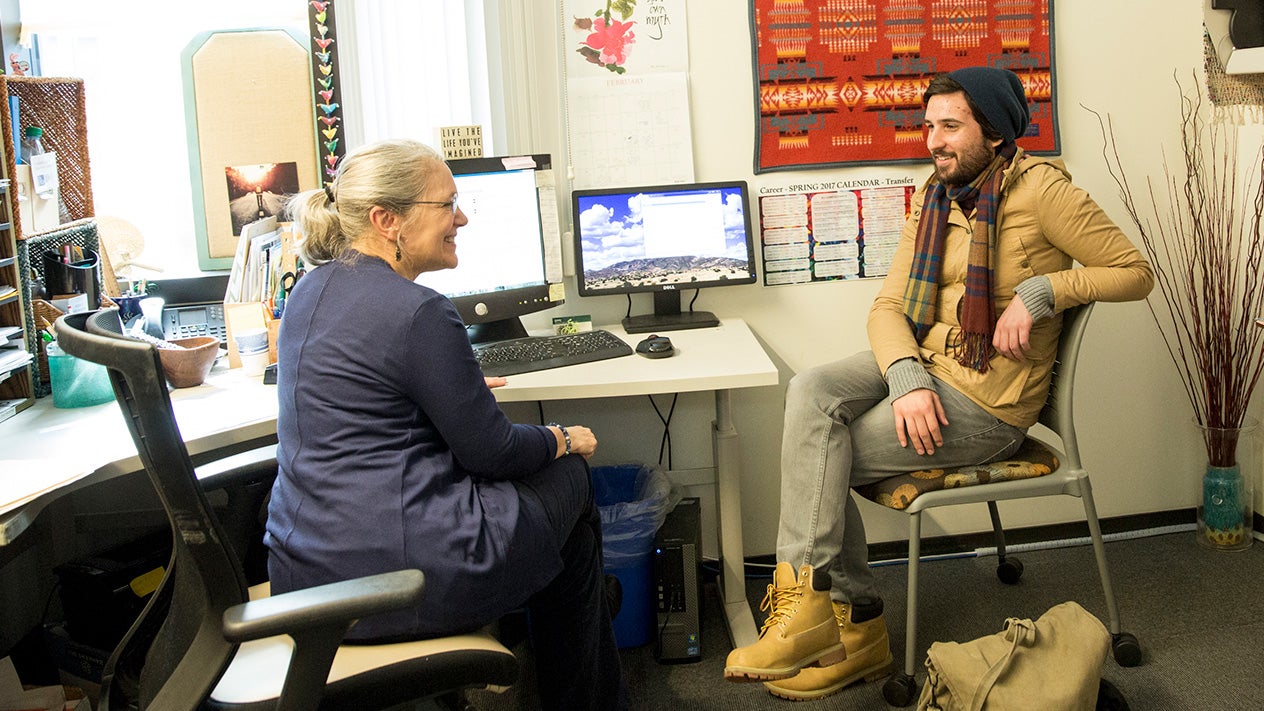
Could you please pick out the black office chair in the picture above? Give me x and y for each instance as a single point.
(200, 643)
(1036, 469)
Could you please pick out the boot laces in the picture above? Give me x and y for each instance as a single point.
(780, 604)
(840, 614)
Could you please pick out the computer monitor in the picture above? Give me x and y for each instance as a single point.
(663, 239)
(500, 273)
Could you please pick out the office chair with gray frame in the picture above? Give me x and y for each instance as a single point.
(202, 643)
(1036, 469)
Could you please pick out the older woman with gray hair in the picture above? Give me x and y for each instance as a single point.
(394, 454)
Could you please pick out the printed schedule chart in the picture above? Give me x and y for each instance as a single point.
(848, 231)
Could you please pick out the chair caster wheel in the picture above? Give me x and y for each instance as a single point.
(1127, 649)
(899, 689)
(1009, 571)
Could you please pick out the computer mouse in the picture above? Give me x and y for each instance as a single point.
(656, 347)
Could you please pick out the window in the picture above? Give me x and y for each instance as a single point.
(420, 64)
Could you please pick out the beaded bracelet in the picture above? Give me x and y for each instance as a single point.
(565, 435)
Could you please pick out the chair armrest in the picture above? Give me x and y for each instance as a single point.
(339, 603)
(253, 466)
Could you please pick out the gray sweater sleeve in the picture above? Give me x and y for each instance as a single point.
(1037, 295)
(906, 375)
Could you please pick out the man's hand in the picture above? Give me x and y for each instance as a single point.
(1012, 337)
(497, 382)
(918, 416)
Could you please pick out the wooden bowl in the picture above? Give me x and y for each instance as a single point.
(187, 367)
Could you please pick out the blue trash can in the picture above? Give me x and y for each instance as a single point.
(633, 500)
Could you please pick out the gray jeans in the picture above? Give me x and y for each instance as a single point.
(840, 433)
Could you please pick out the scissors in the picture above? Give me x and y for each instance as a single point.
(289, 279)
(286, 285)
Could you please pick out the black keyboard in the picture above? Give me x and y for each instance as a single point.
(524, 355)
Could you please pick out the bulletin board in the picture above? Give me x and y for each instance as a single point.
(252, 133)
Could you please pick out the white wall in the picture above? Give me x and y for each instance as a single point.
(1118, 58)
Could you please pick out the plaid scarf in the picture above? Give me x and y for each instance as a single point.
(978, 314)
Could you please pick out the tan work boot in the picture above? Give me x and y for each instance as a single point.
(800, 629)
(864, 633)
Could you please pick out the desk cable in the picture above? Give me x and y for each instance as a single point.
(664, 445)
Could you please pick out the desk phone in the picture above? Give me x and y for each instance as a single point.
(187, 321)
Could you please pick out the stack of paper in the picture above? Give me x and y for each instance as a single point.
(253, 265)
(13, 353)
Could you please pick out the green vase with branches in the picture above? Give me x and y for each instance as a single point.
(1200, 226)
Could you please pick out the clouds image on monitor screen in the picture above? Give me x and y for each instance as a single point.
(612, 230)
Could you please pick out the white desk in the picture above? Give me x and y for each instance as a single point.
(69, 449)
(720, 359)
(46, 452)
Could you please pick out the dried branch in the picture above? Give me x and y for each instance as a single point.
(1201, 231)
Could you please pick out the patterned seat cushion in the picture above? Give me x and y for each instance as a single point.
(1032, 459)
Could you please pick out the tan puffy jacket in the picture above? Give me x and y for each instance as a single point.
(1045, 223)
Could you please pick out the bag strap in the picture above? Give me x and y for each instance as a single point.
(1016, 632)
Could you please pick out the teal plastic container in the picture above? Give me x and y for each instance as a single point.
(76, 382)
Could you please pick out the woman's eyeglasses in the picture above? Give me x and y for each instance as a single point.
(449, 205)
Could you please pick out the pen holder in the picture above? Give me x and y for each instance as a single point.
(78, 277)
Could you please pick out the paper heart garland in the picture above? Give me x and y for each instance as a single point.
(328, 108)
(320, 6)
(329, 120)
(327, 95)
(329, 134)
(324, 43)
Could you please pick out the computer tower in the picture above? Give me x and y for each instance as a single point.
(677, 553)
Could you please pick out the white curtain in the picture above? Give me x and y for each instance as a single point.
(128, 55)
(422, 62)
(409, 68)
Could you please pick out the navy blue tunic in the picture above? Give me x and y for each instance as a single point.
(394, 454)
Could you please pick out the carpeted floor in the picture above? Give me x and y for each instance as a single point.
(1198, 614)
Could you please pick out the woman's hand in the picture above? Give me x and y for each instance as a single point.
(496, 382)
(583, 441)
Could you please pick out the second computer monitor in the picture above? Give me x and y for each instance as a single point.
(663, 239)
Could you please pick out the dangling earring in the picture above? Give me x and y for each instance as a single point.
(398, 255)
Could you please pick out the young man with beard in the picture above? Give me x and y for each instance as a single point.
(963, 334)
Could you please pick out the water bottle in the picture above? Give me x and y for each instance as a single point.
(32, 143)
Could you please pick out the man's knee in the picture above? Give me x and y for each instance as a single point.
(832, 381)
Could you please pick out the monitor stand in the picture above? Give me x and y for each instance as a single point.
(503, 330)
(667, 316)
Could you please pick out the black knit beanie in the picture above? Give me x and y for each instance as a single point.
(999, 95)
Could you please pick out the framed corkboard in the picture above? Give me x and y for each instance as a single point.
(248, 111)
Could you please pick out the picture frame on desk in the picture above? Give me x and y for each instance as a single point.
(259, 190)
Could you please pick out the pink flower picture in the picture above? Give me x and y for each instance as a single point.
(608, 40)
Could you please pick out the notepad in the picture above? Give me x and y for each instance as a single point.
(25, 479)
